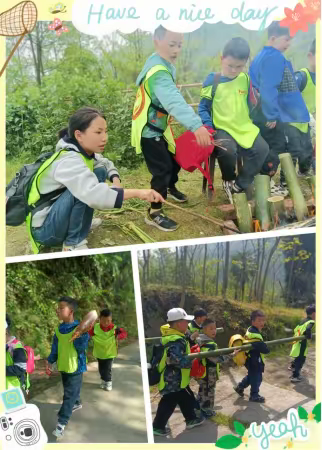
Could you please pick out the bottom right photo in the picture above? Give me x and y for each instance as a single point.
(229, 334)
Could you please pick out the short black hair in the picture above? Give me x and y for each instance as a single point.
(9, 322)
(310, 310)
(312, 47)
(159, 33)
(208, 322)
(276, 30)
(105, 312)
(72, 303)
(255, 314)
(237, 48)
(200, 313)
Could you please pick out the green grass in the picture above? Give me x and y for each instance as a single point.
(227, 421)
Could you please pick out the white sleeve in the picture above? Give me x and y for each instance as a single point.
(100, 161)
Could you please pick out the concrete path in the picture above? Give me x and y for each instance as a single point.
(115, 416)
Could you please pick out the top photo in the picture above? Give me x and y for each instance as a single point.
(152, 136)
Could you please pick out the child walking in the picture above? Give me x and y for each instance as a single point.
(71, 184)
(195, 327)
(105, 336)
(157, 99)
(300, 348)
(174, 368)
(255, 358)
(71, 361)
(224, 106)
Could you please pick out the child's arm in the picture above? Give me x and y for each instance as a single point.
(261, 347)
(308, 331)
(177, 356)
(81, 343)
(52, 358)
(301, 80)
(112, 172)
(205, 105)
(120, 333)
(270, 78)
(19, 367)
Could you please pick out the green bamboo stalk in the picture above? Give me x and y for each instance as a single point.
(157, 338)
(299, 203)
(244, 217)
(262, 193)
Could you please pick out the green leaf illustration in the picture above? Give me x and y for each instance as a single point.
(228, 441)
(239, 428)
(317, 412)
(302, 413)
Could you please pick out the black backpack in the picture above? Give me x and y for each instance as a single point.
(157, 353)
(17, 193)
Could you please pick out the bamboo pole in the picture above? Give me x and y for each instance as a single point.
(244, 217)
(157, 338)
(262, 193)
(300, 207)
(277, 209)
(227, 351)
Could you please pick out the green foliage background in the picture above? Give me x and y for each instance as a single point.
(96, 281)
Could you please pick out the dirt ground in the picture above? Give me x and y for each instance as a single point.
(111, 233)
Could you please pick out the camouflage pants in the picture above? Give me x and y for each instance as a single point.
(207, 385)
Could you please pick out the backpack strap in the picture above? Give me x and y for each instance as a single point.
(215, 84)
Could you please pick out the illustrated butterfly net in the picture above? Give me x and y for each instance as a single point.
(18, 21)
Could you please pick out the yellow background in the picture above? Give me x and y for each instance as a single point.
(315, 430)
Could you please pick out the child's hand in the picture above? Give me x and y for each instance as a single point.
(76, 334)
(271, 124)
(116, 182)
(194, 335)
(150, 195)
(236, 351)
(204, 138)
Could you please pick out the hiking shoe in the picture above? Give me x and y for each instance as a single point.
(296, 379)
(159, 432)
(96, 223)
(207, 413)
(279, 189)
(239, 391)
(76, 407)
(103, 385)
(195, 422)
(177, 195)
(81, 246)
(160, 221)
(108, 386)
(230, 188)
(59, 431)
(257, 399)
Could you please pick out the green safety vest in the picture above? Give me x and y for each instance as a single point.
(141, 110)
(230, 111)
(34, 194)
(105, 344)
(192, 329)
(299, 331)
(309, 96)
(209, 346)
(185, 373)
(67, 355)
(13, 382)
(254, 337)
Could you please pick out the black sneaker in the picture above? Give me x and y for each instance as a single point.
(177, 195)
(76, 407)
(239, 391)
(195, 422)
(257, 399)
(159, 432)
(296, 379)
(230, 188)
(160, 221)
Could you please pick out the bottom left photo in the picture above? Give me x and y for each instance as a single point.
(72, 348)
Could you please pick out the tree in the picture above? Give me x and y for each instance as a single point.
(203, 287)
(226, 271)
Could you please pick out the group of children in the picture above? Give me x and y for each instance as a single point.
(181, 332)
(258, 115)
(69, 356)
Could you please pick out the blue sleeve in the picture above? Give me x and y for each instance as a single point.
(204, 111)
(271, 75)
(177, 355)
(81, 343)
(172, 101)
(52, 358)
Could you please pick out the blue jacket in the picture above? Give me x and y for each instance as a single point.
(165, 94)
(80, 344)
(254, 361)
(273, 75)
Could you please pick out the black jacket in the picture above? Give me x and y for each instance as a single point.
(254, 361)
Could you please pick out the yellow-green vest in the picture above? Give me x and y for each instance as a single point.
(193, 329)
(299, 331)
(209, 347)
(309, 92)
(105, 344)
(34, 194)
(140, 113)
(254, 337)
(185, 373)
(230, 111)
(67, 360)
(13, 382)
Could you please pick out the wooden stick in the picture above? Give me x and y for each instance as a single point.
(217, 222)
(11, 53)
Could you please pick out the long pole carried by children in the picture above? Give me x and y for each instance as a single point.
(227, 351)
(157, 338)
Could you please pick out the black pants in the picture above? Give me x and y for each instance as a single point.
(254, 380)
(300, 146)
(297, 365)
(161, 164)
(105, 368)
(252, 159)
(72, 384)
(168, 403)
